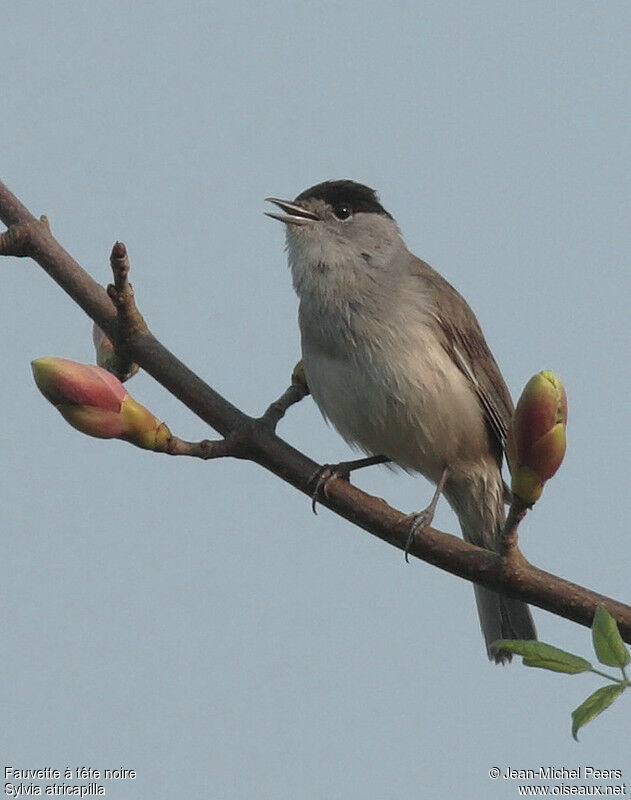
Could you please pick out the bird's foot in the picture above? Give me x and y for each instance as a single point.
(423, 519)
(417, 522)
(322, 477)
(329, 472)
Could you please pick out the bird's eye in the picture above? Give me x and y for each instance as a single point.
(342, 211)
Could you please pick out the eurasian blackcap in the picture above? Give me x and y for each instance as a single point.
(396, 360)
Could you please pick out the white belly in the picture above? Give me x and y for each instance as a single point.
(412, 405)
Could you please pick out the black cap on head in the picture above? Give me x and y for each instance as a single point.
(355, 195)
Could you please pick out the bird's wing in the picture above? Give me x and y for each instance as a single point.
(464, 341)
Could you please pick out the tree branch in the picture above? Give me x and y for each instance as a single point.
(256, 440)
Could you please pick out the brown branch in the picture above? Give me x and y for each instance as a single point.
(257, 441)
(206, 449)
(121, 293)
(277, 410)
(516, 512)
(114, 356)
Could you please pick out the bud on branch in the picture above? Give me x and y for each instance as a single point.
(108, 357)
(535, 444)
(95, 402)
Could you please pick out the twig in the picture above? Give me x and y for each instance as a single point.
(19, 239)
(516, 512)
(206, 449)
(114, 356)
(277, 410)
(121, 293)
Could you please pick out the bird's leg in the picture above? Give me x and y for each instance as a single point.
(328, 472)
(424, 518)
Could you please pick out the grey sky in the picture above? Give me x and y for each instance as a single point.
(195, 622)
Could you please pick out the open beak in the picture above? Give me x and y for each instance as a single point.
(296, 215)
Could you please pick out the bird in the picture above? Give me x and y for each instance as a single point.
(396, 361)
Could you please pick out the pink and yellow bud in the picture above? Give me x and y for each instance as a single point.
(535, 444)
(96, 403)
(142, 428)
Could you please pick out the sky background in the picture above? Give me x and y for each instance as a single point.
(195, 621)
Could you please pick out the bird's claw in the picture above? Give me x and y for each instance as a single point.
(323, 476)
(417, 523)
(423, 519)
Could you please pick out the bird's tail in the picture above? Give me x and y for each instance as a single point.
(480, 510)
(502, 617)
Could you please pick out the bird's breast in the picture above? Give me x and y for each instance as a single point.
(392, 389)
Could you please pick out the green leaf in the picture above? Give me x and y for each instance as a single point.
(608, 643)
(594, 705)
(545, 656)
